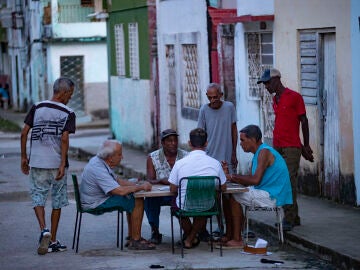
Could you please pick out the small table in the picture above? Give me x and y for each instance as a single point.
(164, 190)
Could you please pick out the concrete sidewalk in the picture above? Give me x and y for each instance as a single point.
(328, 229)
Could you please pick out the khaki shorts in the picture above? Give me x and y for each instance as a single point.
(255, 197)
(41, 180)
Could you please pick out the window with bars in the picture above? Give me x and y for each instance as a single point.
(119, 49)
(73, 68)
(134, 51)
(260, 57)
(191, 93)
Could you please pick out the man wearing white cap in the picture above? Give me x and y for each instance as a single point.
(290, 112)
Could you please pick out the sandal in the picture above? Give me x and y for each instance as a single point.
(222, 240)
(140, 244)
(195, 243)
(128, 238)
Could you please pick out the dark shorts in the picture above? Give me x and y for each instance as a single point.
(126, 202)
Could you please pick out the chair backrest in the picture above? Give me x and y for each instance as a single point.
(77, 193)
(200, 192)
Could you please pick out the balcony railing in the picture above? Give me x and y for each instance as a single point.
(73, 13)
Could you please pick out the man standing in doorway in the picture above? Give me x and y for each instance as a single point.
(290, 112)
(51, 122)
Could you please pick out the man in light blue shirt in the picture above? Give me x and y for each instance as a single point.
(269, 184)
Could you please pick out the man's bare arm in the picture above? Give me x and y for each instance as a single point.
(306, 150)
(23, 140)
(64, 150)
(151, 173)
(234, 138)
(265, 159)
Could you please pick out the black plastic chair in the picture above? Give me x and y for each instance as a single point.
(202, 199)
(80, 211)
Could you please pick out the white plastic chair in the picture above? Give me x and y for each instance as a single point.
(279, 217)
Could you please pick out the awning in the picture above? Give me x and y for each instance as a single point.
(248, 18)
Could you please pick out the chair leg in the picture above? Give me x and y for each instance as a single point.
(76, 222)
(211, 242)
(221, 234)
(172, 233)
(280, 228)
(122, 230)
(247, 224)
(117, 231)
(181, 238)
(78, 234)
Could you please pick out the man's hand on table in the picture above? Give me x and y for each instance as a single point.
(146, 186)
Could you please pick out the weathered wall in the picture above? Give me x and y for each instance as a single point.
(131, 100)
(355, 45)
(130, 114)
(178, 20)
(95, 70)
(247, 109)
(289, 17)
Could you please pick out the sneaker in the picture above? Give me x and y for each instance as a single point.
(44, 241)
(56, 246)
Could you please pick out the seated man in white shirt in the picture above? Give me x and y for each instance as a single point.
(196, 163)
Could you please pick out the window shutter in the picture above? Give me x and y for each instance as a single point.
(309, 67)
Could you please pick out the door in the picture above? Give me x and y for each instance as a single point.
(330, 120)
(226, 62)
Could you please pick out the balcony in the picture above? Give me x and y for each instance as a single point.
(74, 13)
(74, 20)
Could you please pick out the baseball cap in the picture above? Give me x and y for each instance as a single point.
(167, 133)
(268, 74)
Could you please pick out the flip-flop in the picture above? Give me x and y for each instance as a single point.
(141, 244)
(128, 239)
(224, 246)
(195, 243)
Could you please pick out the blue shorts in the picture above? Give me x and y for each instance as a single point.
(126, 202)
(41, 180)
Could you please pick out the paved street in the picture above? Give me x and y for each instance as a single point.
(19, 232)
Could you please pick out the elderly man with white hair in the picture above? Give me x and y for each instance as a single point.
(100, 188)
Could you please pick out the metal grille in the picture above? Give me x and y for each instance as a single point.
(170, 58)
(73, 68)
(119, 49)
(260, 57)
(134, 50)
(191, 93)
(72, 12)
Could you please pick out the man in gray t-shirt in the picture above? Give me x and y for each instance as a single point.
(218, 118)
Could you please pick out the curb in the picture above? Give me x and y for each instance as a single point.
(342, 261)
